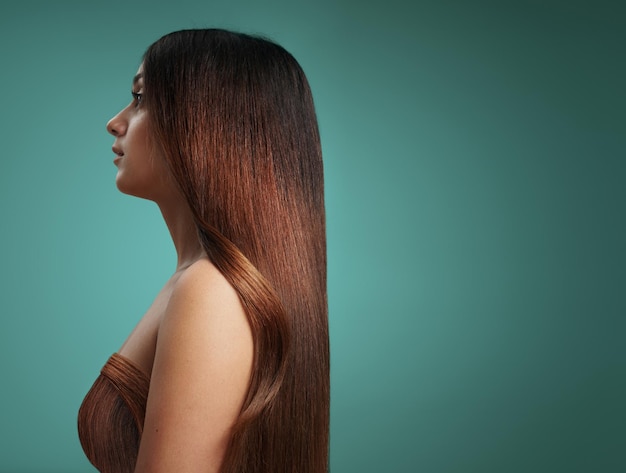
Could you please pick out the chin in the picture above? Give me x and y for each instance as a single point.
(122, 184)
(130, 188)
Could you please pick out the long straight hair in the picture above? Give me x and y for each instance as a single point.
(234, 116)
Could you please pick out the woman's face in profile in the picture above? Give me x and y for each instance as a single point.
(141, 172)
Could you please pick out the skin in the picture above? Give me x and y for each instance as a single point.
(194, 341)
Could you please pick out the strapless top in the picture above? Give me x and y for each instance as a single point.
(110, 419)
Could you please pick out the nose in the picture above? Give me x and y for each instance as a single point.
(117, 125)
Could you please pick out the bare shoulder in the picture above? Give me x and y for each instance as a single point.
(202, 283)
(202, 299)
(200, 375)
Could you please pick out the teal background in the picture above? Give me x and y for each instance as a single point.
(475, 169)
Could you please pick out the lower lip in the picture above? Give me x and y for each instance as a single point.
(117, 159)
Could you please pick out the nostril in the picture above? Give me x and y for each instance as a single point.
(113, 127)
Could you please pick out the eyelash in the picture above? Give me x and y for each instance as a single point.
(137, 97)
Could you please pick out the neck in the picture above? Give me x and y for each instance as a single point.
(179, 221)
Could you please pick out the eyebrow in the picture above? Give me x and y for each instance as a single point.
(137, 78)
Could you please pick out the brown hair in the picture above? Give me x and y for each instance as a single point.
(235, 119)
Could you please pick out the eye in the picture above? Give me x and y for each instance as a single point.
(137, 98)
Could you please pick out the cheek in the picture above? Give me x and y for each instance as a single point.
(144, 172)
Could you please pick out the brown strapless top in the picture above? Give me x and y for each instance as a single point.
(110, 419)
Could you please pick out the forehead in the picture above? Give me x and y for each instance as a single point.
(139, 76)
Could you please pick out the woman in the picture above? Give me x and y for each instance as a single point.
(228, 370)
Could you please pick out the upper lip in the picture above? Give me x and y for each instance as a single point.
(117, 150)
